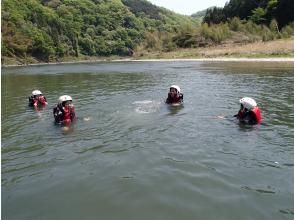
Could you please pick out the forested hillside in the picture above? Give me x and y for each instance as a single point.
(51, 29)
(244, 21)
(257, 11)
(57, 30)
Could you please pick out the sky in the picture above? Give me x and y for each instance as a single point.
(188, 7)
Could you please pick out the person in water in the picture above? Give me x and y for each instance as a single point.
(64, 111)
(174, 96)
(249, 112)
(37, 99)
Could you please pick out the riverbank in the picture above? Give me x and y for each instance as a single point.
(283, 48)
(272, 51)
(288, 60)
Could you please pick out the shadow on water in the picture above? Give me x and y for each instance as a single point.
(248, 127)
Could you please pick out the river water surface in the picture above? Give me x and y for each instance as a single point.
(129, 156)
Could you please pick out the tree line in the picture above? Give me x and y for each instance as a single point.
(49, 30)
(52, 29)
(257, 11)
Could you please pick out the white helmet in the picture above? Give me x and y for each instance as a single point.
(64, 98)
(248, 103)
(36, 92)
(175, 87)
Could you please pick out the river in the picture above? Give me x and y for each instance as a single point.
(130, 156)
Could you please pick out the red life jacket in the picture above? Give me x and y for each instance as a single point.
(69, 114)
(252, 117)
(42, 100)
(257, 113)
(39, 101)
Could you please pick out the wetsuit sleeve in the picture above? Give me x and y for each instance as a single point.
(168, 100)
(31, 102)
(239, 115)
(58, 114)
(181, 97)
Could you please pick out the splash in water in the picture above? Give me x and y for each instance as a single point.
(146, 106)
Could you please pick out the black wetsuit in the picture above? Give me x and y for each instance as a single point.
(177, 99)
(247, 117)
(61, 115)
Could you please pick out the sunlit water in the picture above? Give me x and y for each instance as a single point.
(129, 156)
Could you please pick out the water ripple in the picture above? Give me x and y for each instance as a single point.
(268, 190)
(128, 145)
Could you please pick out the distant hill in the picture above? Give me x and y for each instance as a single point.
(200, 14)
(51, 29)
(58, 30)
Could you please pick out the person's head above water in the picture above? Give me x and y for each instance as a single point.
(64, 111)
(174, 90)
(249, 112)
(65, 100)
(37, 99)
(174, 95)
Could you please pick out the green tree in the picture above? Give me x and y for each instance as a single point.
(258, 15)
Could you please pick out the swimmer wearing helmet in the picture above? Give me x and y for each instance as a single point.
(64, 111)
(174, 96)
(37, 99)
(249, 112)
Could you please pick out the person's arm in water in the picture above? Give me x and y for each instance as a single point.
(31, 101)
(58, 113)
(169, 99)
(239, 115)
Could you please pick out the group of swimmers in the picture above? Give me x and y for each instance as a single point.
(64, 111)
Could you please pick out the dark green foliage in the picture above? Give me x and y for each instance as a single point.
(214, 15)
(284, 12)
(144, 7)
(258, 11)
(50, 29)
(258, 15)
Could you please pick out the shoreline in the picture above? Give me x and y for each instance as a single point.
(220, 59)
(281, 51)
